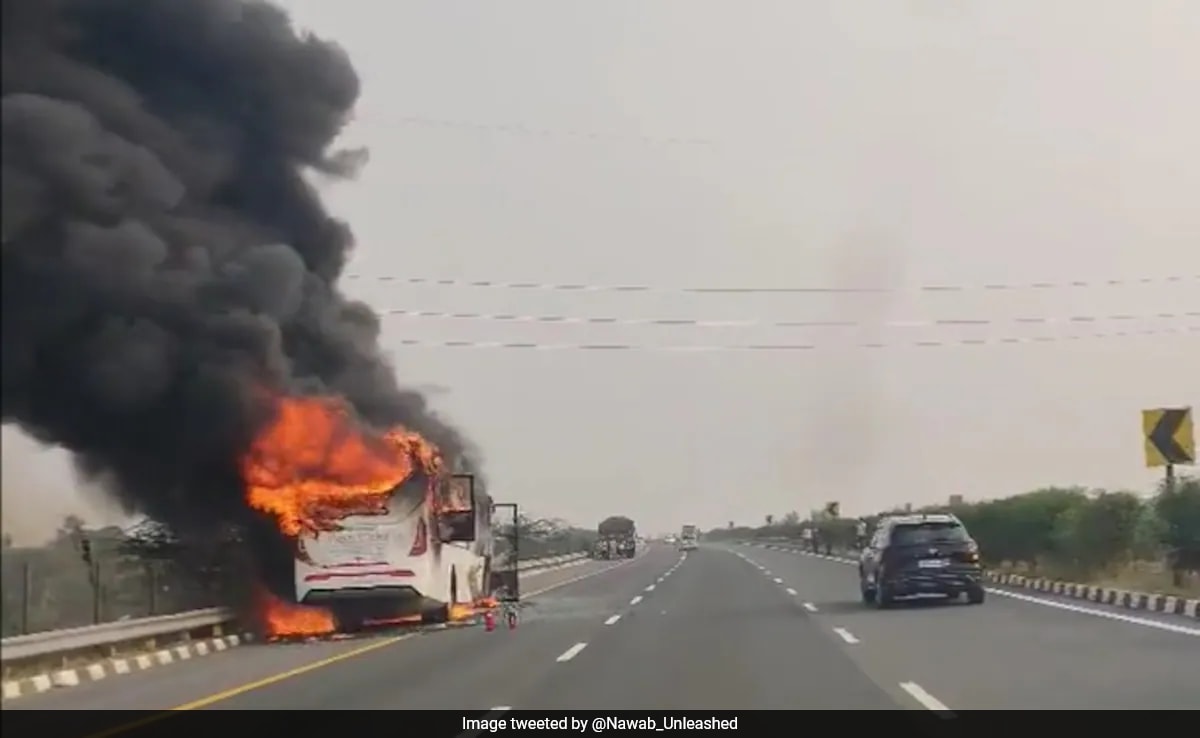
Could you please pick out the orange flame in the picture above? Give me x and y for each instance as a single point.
(314, 465)
(401, 620)
(282, 619)
(460, 611)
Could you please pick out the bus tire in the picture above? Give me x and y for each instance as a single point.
(439, 615)
(348, 621)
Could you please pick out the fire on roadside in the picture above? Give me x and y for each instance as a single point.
(460, 612)
(281, 619)
(314, 465)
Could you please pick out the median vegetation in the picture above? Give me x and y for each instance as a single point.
(1117, 538)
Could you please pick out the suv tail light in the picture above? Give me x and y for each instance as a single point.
(421, 542)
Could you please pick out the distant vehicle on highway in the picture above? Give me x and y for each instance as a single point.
(426, 553)
(912, 555)
(688, 538)
(616, 538)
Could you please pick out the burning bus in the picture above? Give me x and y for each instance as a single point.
(382, 532)
(423, 553)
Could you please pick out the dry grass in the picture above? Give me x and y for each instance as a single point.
(1138, 576)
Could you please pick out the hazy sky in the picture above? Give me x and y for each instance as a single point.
(773, 143)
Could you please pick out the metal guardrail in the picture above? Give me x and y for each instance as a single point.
(63, 643)
(20, 648)
(799, 544)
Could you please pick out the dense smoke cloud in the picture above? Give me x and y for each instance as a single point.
(163, 257)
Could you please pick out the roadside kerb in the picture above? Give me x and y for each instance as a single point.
(65, 658)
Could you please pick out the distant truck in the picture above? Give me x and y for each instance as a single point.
(688, 538)
(616, 539)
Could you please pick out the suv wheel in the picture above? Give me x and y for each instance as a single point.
(868, 594)
(883, 593)
(976, 596)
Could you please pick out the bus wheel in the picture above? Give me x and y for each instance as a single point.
(437, 616)
(349, 622)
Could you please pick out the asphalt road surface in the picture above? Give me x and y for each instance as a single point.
(721, 628)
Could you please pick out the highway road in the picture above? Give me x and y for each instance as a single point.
(724, 627)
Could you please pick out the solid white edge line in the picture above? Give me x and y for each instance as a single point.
(1131, 619)
(589, 575)
(1116, 616)
(928, 701)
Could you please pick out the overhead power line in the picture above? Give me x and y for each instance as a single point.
(582, 287)
(538, 132)
(781, 347)
(719, 323)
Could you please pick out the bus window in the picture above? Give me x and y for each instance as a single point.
(456, 509)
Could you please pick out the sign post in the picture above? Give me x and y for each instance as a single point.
(1170, 439)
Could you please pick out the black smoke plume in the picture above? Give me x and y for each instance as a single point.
(164, 257)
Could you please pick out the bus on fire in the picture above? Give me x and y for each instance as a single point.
(429, 550)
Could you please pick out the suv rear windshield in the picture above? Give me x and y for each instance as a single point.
(925, 533)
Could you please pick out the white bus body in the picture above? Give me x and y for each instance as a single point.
(411, 561)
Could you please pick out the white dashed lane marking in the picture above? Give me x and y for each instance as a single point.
(810, 606)
(635, 600)
(791, 591)
(928, 701)
(846, 635)
(571, 652)
(612, 619)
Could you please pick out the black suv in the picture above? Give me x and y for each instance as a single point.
(920, 554)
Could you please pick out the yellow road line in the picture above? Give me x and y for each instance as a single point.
(312, 666)
(227, 694)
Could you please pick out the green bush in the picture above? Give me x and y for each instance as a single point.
(1063, 530)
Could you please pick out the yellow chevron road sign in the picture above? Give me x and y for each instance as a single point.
(1170, 436)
